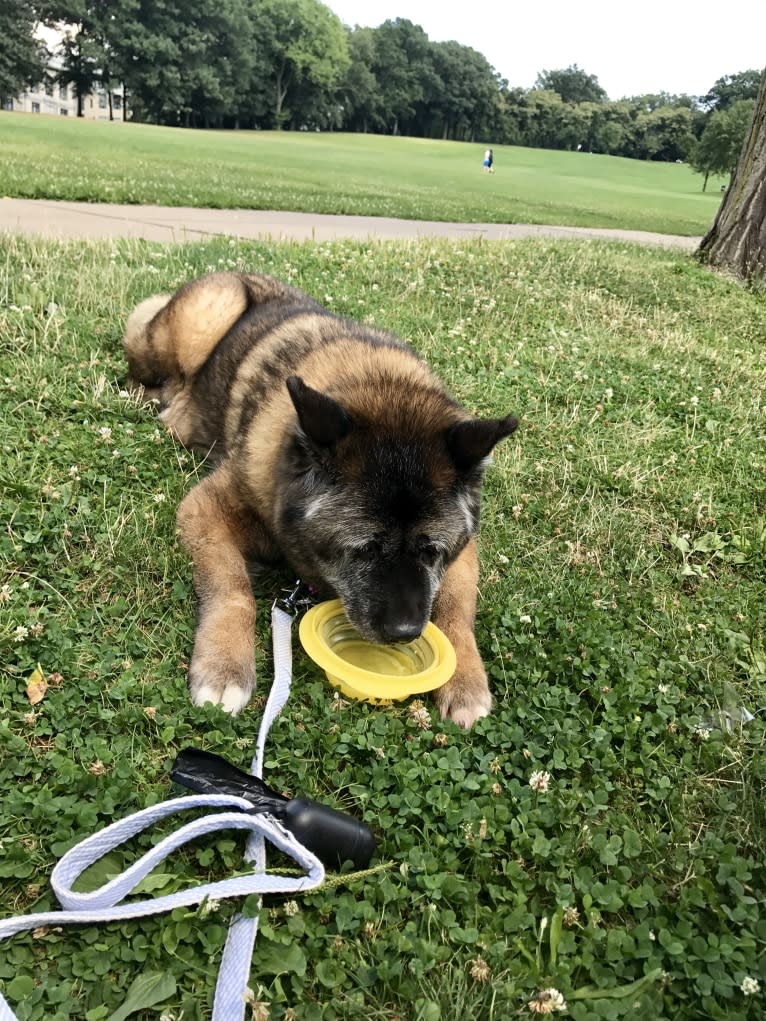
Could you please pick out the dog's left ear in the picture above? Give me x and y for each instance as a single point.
(322, 419)
(471, 441)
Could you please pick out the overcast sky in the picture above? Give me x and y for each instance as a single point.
(650, 46)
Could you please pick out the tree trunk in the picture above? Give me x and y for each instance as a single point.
(737, 239)
(704, 183)
(281, 94)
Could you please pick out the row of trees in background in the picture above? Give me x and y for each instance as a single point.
(292, 64)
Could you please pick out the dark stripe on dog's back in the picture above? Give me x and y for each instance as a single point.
(213, 383)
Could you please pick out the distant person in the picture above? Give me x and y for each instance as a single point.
(489, 159)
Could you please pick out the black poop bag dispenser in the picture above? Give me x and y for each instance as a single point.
(333, 836)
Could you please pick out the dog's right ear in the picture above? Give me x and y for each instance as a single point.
(322, 419)
(472, 441)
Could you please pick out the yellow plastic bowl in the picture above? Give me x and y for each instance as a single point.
(375, 673)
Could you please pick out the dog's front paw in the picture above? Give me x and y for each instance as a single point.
(225, 683)
(463, 700)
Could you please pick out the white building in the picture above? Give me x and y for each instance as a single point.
(59, 100)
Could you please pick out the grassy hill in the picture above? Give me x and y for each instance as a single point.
(424, 179)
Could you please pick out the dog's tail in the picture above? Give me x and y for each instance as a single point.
(170, 337)
(143, 367)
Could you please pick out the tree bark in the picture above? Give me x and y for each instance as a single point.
(737, 239)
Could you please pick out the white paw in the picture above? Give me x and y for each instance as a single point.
(466, 715)
(232, 699)
(463, 703)
(224, 687)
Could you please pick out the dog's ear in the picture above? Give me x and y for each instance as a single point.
(471, 441)
(322, 419)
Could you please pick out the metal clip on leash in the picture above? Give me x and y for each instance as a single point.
(307, 832)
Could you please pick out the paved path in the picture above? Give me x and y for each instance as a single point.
(167, 223)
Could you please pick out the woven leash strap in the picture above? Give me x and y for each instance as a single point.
(104, 904)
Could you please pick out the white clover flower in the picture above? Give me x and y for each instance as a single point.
(159, 498)
(421, 716)
(663, 689)
(209, 907)
(525, 619)
(750, 986)
(547, 1001)
(105, 432)
(291, 908)
(480, 970)
(694, 401)
(540, 781)
(703, 733)
(21, 633)
(5, 593)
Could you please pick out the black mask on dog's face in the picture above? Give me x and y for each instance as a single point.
(377, 517)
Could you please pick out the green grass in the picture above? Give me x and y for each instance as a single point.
(623, 551)
(334, 173)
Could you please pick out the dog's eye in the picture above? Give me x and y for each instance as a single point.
(370, 551)
(428, 553)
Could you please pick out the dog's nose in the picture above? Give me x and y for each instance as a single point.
(402, 631)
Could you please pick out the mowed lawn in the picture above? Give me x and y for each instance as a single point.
(45, 157)
(621, 618)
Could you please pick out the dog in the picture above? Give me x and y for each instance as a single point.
(335, 448)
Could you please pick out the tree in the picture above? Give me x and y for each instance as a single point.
(301, 45)
(404, 72)
(573, 85)
(21, 56)
(80, 65)
(183, 62)
(731, 88)
(653, 100)
(665, 133)
(721, 141)
(736, 240)
(359, 88)
(82, 45)
(547, 122)
(462, 104)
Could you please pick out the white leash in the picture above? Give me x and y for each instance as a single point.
(229, 1001)
(103, 904)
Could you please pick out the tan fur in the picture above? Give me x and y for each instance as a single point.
(215, 531)
(178, 332)
(197, 323)
(466, 696)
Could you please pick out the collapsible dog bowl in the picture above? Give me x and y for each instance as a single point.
(365, 670)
